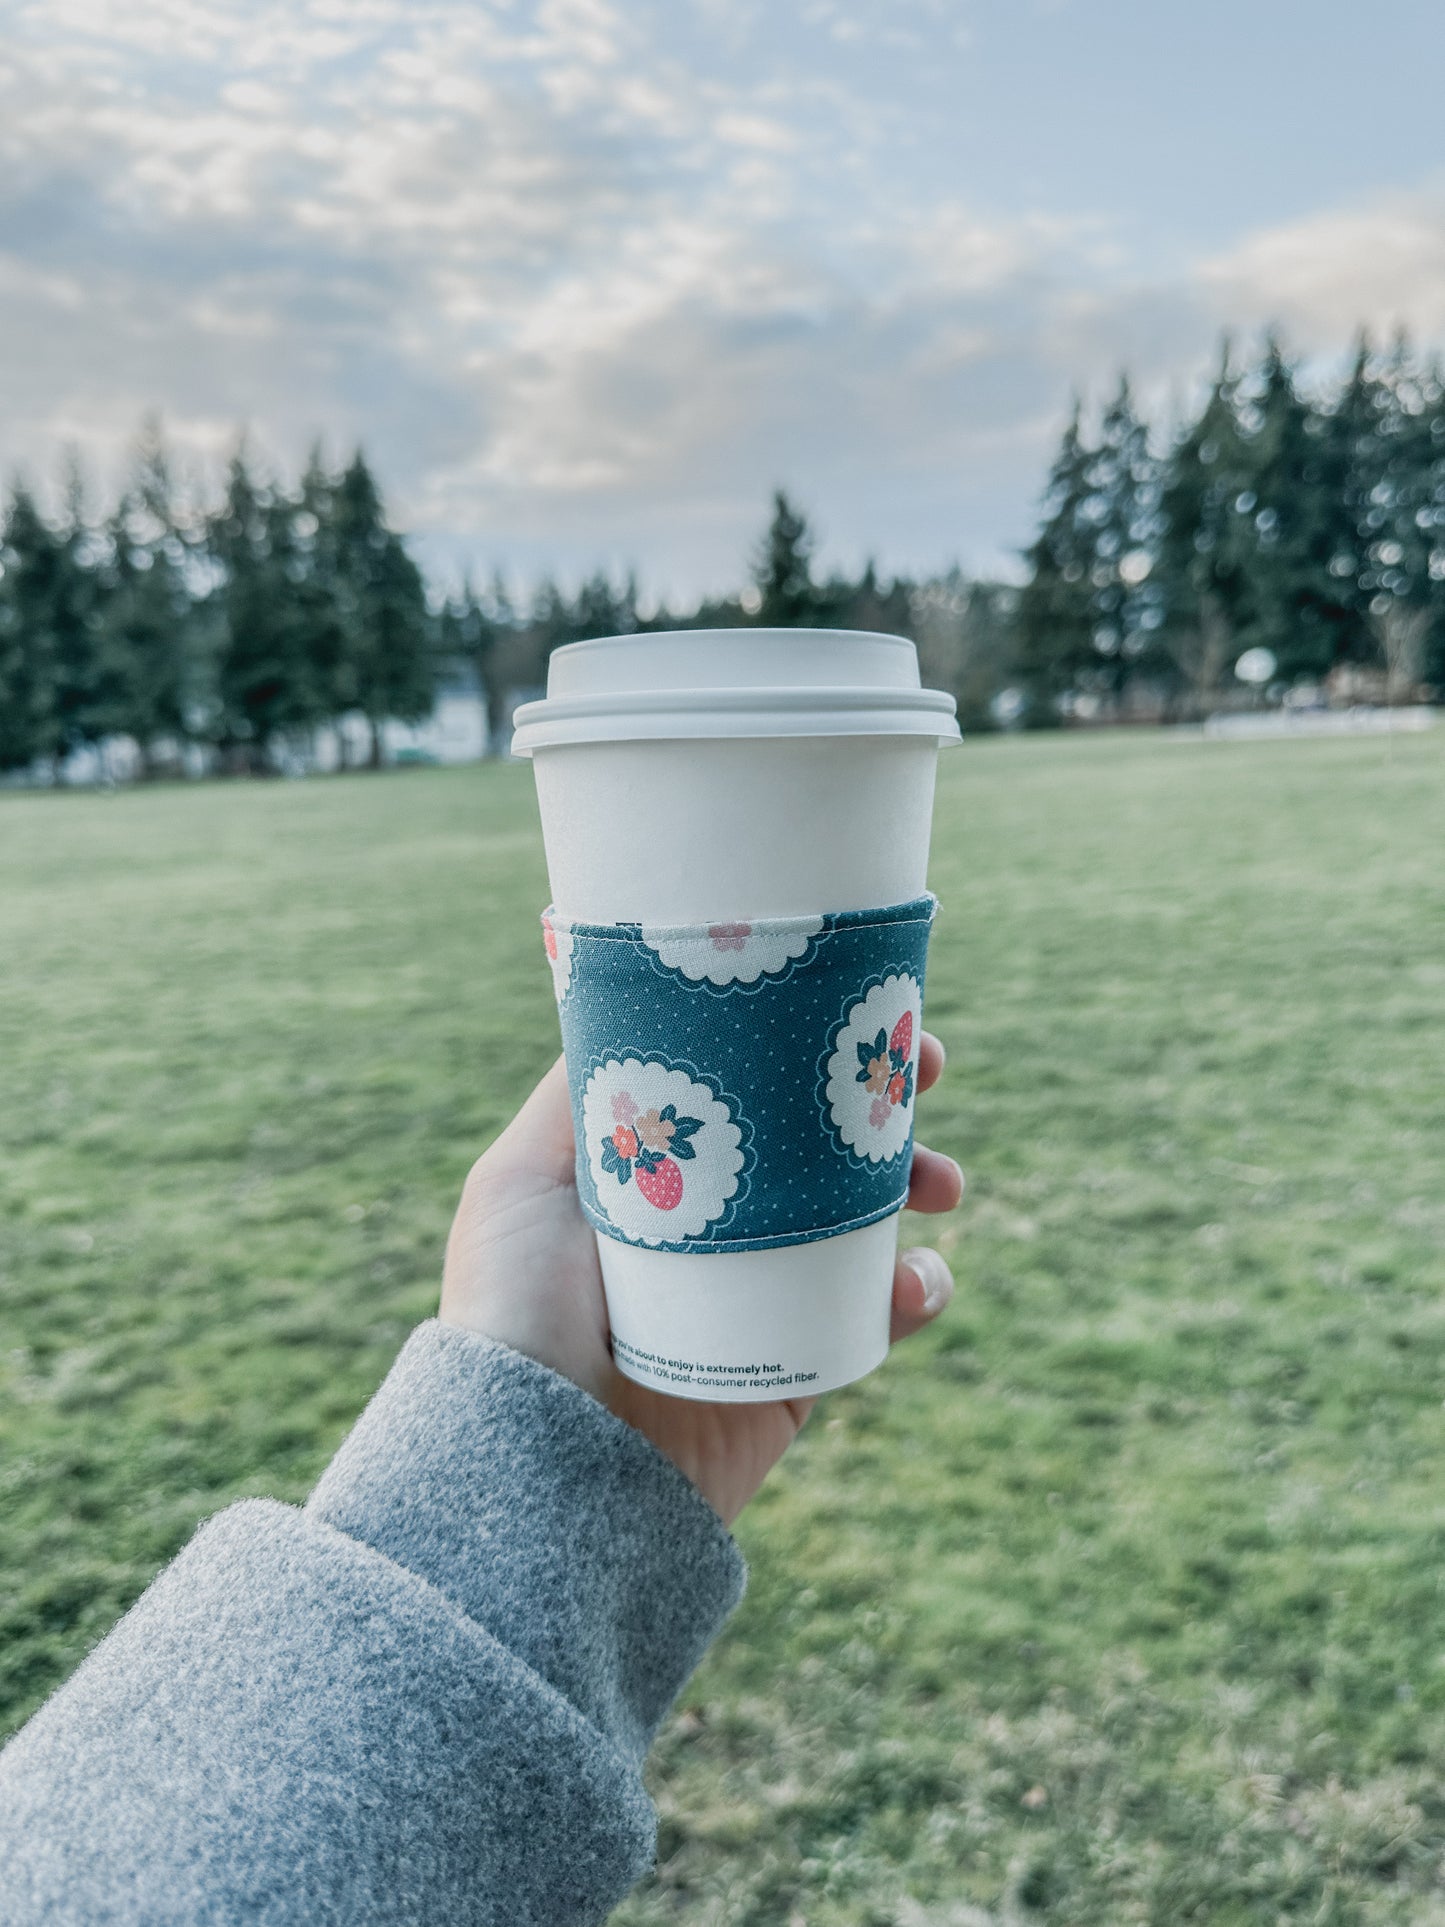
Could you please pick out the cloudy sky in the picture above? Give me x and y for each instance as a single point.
(589, 277)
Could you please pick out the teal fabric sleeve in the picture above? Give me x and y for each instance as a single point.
(741, 1085)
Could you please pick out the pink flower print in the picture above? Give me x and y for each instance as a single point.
(624, 1107)
(729, 936)
(879, 1112)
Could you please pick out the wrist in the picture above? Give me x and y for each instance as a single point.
(544, 1517)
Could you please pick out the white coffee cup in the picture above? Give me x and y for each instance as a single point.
(798, 767)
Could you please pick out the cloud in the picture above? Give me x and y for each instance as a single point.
(584, 290)
(1380, 263)
(556, 277)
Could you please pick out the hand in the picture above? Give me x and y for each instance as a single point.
(522, 1268)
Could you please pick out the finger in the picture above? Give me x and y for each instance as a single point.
(931, 1059)
(935, 1182)
(539, 1138)
(922, 1286)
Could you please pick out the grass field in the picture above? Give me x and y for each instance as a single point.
(1118, 1597)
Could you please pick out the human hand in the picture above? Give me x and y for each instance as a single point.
(521, 1267)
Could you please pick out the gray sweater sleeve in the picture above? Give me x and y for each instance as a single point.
(425, 1697)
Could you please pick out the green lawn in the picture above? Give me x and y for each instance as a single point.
(1120, 1597)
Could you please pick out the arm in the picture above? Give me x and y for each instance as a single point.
(426, 1697)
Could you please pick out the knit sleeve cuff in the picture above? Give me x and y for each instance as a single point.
(550, 1522)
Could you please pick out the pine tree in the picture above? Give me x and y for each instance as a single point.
(782, 570)
(1429, 455)
(498, 615)
(870, 603)
(604, 609)
(314, 542)
(49, 610)
(551, 625)
(74, 623)
(148, 644)
(464, 635)
(384, 608)
(1126, 481)
(1297, 609)
(1402, 612)
(263, 682)
(713, 612)
(1056, 616)
(1353, 455)
(966, 642)
(467, 636)
(29, 656)
(1202, 543)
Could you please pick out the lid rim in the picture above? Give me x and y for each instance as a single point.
(938, 725)
(781, 698)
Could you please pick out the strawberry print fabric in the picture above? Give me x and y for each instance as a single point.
(740, 1085)
(665, 1152)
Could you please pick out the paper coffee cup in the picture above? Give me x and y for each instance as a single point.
(791, 773)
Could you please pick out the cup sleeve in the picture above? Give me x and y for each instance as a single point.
(742, 1084)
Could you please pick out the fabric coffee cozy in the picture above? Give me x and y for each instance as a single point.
(742, 1085)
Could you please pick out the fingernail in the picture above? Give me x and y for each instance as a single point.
(933, 1273)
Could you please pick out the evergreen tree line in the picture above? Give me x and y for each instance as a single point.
(962, 627)
(1309, 526)
(237, 628)
(240, 630)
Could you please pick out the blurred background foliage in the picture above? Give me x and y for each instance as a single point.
(1308, 524)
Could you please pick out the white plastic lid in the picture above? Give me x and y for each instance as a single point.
(733, 682)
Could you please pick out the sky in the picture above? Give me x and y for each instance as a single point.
(589, 278)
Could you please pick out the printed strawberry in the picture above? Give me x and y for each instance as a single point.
(549, 939)
(661, 1184)
(902, 1039)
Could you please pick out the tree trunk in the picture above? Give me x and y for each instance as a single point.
(373, 760)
